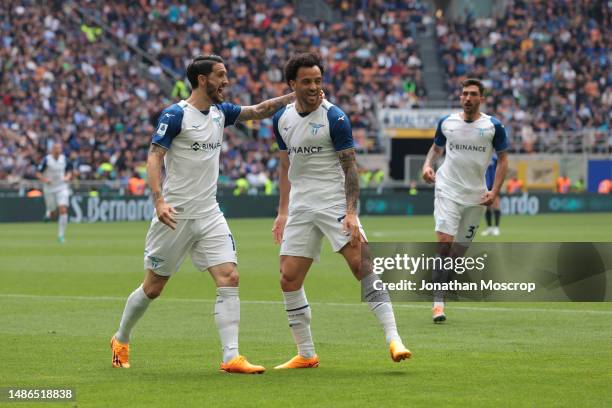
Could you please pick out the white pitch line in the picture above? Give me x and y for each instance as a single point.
(275, 302)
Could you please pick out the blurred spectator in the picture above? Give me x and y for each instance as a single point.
(515, 186)
(136, 185)
(413, 188)
(365, 176)
(563, 184)
(579, 186)
(241, 186)
(378, 177)
(605, 186)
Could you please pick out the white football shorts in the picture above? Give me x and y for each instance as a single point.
(304, 231)
(208, 241)
(459, 220)
(57, 198)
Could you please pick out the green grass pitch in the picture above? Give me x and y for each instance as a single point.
(60, 304)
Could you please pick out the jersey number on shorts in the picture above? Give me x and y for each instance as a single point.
(471, 231)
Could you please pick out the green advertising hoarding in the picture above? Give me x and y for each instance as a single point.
(125, 208)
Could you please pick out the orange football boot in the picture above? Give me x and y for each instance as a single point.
(240, 365)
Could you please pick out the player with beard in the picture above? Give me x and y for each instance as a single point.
(187, 142)
(319, 190)
(461, 195)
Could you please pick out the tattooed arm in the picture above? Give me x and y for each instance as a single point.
(351, 187)
(351, 179)
(154, 175)
(429, 174)
(264, 109)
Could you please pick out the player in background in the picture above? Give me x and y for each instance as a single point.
(319, 190)
(492, 209)
(461, 195)
(55, 172)
(187, 142)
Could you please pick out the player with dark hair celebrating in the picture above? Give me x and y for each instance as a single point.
(319, 190)
(187, 142)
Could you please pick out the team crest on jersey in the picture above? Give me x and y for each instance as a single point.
(217, 121)
(481, 132)
(314, 128)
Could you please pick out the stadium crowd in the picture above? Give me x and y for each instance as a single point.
(60, 82)
(547, 65)
(64, 77)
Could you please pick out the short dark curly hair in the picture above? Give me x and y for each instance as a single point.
(201, 65)
(306, 59)
(474, 81)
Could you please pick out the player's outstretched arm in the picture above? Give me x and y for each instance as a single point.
(429, 174)
(284, 187)
(264, 109)
(154, 176)
(500, 175)
(351, 187)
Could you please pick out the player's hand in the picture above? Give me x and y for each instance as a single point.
(278, 229)
(350, 224)
(45, 180)
(488, 198)
(429, 175)
(165, 214)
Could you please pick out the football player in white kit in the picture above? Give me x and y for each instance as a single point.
(187, 142)
(319, 190)
(55, 172)
(461, 194)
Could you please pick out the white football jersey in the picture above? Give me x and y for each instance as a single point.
(55, 171)
(469, 148)
(312, 142)
(193, 141)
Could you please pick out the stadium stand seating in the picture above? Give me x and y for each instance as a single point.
(75, 71)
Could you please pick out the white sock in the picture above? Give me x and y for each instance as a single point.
(299, 316)
(438, 304)
(62, 222)
(227, 318)
(380, 304)
(135, 307)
